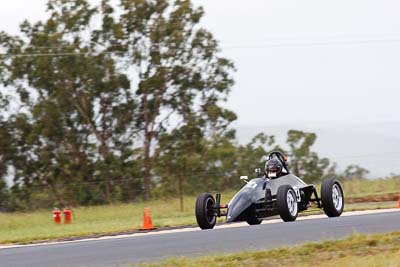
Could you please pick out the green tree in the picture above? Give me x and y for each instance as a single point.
(180, 154)
(177, 67)
(304, 162)
(88, 95)
(355, 172)
(75, 130)
(200, 154)
(5, 154)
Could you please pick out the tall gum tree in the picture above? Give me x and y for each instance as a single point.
(175, 62)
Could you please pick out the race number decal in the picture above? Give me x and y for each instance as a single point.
(297, 192)
(251, 185)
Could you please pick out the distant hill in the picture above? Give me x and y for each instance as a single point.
(374, 146)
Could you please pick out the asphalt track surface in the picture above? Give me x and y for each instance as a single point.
(131, 250)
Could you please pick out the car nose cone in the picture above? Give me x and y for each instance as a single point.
(238, 204)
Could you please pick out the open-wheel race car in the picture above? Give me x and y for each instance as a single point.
(270, 194)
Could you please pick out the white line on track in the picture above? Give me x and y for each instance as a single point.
(193, 229)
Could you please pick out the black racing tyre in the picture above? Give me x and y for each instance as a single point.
(254, 220)
(205, 214)
(332, 197)
(286, 202)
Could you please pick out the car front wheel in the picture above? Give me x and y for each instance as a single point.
(332, 198)
(205, 213)
(286, 201)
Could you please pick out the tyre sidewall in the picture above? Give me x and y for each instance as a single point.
(283, 205)
(201, 211)
(252, 217)
(327, 198)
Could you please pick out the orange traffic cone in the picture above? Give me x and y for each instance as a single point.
(398, 201)
(147, 224)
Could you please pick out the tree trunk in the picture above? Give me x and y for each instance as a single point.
(147, 168)
(80, 103)
(180, 190)
(107, 183)
(104, 149)
(149, 117)
(147, 161)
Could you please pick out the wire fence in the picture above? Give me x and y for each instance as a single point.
(253, 45)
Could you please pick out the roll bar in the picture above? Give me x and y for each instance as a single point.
(281, 157)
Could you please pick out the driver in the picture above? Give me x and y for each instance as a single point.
(273, 168)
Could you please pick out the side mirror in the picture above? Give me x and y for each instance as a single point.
(244, 178)
(257, 171)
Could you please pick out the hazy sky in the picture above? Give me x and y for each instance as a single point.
(339, 80)
(308, 62)
(297, 60)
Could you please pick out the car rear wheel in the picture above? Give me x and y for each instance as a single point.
(332, 198)
(205, 213)
(253, 219)
(286, 201)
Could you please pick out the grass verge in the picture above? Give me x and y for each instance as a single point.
(356, 250)
(38, 225)
(360, 188)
